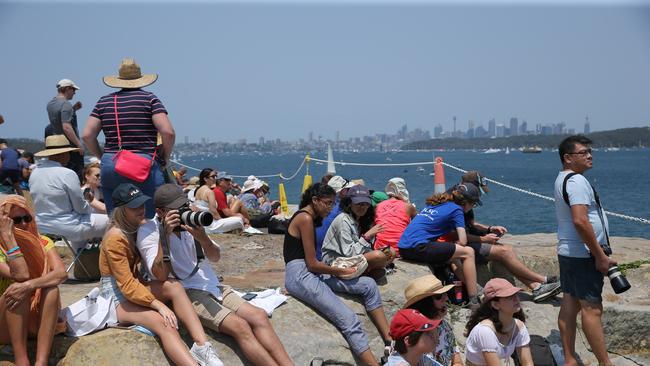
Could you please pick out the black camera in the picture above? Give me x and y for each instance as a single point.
(618, 281)
(195, 219)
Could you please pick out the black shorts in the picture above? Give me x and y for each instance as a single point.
(481, 252)
(435, 253)
(581, 279)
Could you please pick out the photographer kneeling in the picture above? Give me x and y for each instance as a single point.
(144, 304)
(218, 307)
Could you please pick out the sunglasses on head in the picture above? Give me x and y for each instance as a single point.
(20, 219)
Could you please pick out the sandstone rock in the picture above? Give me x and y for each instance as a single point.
(306, 334)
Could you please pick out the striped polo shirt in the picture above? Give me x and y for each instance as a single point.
(135, 108)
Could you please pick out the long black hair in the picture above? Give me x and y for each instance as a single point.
(486, 311)
(203, 175)
(427, 307)
(366, 221)
(317, 190)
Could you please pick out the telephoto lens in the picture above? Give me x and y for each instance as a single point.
(618, 281)
(195, 219)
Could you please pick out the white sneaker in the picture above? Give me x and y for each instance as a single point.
(205, 355)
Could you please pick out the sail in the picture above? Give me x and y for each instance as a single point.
(330, 160)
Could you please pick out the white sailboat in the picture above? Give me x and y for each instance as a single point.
(507, 150)
(330, 160)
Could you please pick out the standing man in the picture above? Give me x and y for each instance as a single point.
(63, 121)
(583, 262)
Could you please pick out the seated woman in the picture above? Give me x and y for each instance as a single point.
(251, 193)
(204, 200)
(138, 304)
(427, 295)
(497, 327)
(394, 214)
(91, 188)
(443, 213)
(415, 335)
(314, 282)
(30, 272)
(344, 238)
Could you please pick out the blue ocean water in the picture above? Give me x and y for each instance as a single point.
(622, 179)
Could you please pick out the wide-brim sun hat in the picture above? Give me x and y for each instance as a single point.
(423, 287)
(130, 76)
(54, 145)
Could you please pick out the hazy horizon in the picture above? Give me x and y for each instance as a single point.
(230, 70)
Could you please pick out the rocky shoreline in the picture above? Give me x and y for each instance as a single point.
(255, 262)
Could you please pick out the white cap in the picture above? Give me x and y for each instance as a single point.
(66, 82)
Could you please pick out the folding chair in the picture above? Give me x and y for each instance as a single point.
(75, 255)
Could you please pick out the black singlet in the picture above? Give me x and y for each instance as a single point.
(292, 248)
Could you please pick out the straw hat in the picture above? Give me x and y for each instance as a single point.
(54, 145)
(130, 76)
(422, 287)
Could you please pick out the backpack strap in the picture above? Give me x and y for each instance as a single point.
(164, 241)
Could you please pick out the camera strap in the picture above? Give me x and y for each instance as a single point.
(565, 195)
(164, 242)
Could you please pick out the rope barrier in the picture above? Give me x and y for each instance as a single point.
(246, 176)
(342, 163)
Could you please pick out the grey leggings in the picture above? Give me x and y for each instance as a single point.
(317, 290)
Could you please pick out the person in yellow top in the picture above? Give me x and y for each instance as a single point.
(144, 305)
(30, 272)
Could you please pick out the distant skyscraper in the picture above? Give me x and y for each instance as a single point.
(311, 136)
(514, 126)
(587, 126)
(186, 139)
(501, 131)
(454, 118)
(437, 131)
(492, 129)
(261, 141)
(523, 128)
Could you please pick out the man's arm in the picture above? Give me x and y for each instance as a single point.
(167, 133)
(580, 215)
(89, 135)
(68, 131)
(75, 194)
(211, 249)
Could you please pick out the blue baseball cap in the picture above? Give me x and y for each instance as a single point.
(359, 194)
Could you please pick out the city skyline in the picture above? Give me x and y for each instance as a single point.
(281, 69)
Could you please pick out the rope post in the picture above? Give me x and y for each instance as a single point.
(439, 177)
(284, 205)
(306, 182)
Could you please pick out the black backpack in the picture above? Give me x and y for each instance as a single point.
(541, 351)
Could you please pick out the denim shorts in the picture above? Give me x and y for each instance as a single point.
(581, 279)
(109, 289)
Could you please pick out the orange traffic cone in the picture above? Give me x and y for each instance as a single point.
(439, 177)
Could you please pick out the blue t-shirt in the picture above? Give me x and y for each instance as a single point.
(431, 223)
(322, 230)
(10, 158)
(570, 244)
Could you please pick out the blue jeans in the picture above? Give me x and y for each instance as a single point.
(110, 180)
(318, 292)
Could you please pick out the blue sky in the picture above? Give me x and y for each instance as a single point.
(231, 70)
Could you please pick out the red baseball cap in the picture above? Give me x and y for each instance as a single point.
(407, 321)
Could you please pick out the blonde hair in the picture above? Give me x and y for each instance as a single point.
(119, 221)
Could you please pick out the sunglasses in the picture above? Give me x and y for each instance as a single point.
(20, 219)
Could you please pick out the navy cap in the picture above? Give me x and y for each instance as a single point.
(359, 194)
(470, 192)
(126, 194)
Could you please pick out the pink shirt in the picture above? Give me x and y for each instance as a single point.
(391, 214)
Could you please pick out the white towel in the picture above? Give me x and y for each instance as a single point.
(268, 299)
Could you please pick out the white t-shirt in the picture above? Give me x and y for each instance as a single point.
(580, 193)
(483, 338)
(183, 257)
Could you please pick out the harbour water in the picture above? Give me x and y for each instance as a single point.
(622, 179)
